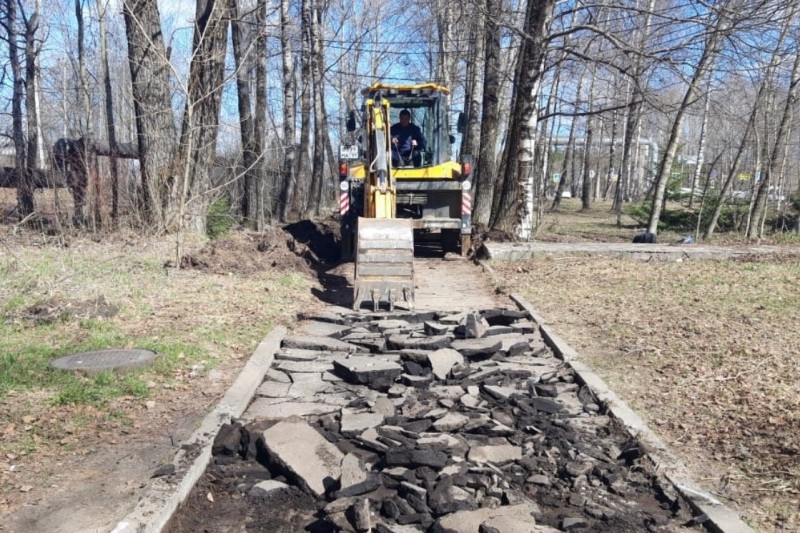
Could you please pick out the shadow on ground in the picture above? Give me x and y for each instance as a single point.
(320, 245)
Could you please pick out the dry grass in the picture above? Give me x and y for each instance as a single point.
(204, 325)
(706, 351)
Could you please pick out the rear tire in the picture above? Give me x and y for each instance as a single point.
(347, 248)
(451, 241)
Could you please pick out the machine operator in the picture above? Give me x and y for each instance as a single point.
(407, 141)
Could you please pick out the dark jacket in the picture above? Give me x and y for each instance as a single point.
(404, 137)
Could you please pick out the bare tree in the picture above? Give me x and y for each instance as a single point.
(769, 73)
(568, 164)
(260, 119)
(701, 150)
(522, 129)
(89, 154)
(323, 154)
(776, 156)
(242, 57)
(25, 198)
(486, 167)
(303, 186)
(446, 63)
(289, 178)
(197, 149)
(32, 49)
(586, 191)
(712, 45)
(111, 129)
(474, 88)
(641, 60)
(155, 123)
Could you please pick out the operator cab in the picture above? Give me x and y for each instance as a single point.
(428, 107)
(423, 113)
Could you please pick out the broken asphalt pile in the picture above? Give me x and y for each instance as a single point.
(428, 422)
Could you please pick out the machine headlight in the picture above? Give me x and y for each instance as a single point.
(466, 185)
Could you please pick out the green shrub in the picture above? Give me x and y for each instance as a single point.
(682, 220)
(220, 218)
(732, 217)
(677, 220)
(639, 212)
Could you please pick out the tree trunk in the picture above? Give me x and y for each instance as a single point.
(568, 164)
(155, 126)
(763, 156)
(304, 178)
(111, 130)
(612, 151)
(33, 155)
(522, 128)
(329, 160)
(704, 196)
(509, 64)
(90, 163)
(25, 201)
(549, 133)
(470, 142)
(542, 161)
(701, 150)
(446, 57)
(289, 185)
(596, 172)
(486, 168)
(249, 200)
(265, 192)
(320, 123)
(586, 191)
(633, 113)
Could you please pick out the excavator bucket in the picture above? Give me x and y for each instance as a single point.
(384, 262)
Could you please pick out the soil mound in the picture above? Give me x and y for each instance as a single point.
(300, 246)
(57, 309)
(248, 253)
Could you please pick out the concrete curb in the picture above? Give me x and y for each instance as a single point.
(721, 518)
(155, 509)
(518, 251)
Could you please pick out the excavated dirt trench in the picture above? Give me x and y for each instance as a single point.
(428, 421)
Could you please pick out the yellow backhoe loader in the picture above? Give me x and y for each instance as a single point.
(383, 206)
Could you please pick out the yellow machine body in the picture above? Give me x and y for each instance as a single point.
(385, 205)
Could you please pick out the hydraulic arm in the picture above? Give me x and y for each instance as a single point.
(384, 258)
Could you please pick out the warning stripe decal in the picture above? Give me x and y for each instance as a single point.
(466, 204)
(344, 203)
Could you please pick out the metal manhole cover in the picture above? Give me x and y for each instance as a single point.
(104, 359)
